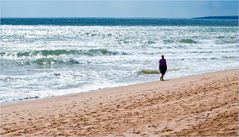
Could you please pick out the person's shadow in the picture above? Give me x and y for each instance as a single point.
(166, 80)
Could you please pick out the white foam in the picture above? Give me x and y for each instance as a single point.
(216, 48)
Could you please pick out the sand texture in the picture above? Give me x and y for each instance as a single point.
(201, 105)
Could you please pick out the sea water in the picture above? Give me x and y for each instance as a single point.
(48, 57)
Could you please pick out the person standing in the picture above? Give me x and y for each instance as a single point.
(162, 67)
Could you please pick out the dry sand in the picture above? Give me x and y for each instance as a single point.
(196, 105)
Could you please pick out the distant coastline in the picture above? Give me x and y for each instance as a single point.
(218, 17)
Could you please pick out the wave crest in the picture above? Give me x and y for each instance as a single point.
(189, 41)
(58, 52)
(47, 61)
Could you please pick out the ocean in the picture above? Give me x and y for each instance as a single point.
(45, 57)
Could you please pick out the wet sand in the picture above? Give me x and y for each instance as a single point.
(200, 105)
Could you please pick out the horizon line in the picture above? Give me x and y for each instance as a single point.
(123, 17)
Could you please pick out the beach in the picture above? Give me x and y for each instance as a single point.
(197, 105)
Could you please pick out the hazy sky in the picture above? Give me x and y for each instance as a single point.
(116, 8)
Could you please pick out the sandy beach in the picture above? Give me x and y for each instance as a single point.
(200, 105)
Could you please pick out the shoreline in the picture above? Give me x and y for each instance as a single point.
(138, 109)
(106, 88)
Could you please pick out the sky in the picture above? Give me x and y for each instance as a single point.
(118, 8)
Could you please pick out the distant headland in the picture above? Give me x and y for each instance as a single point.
(218, 17)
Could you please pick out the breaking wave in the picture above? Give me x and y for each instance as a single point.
(58, 52)
(189, 41)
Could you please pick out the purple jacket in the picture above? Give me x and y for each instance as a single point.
(162, 63)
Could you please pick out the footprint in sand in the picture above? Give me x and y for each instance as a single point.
(166, 129)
